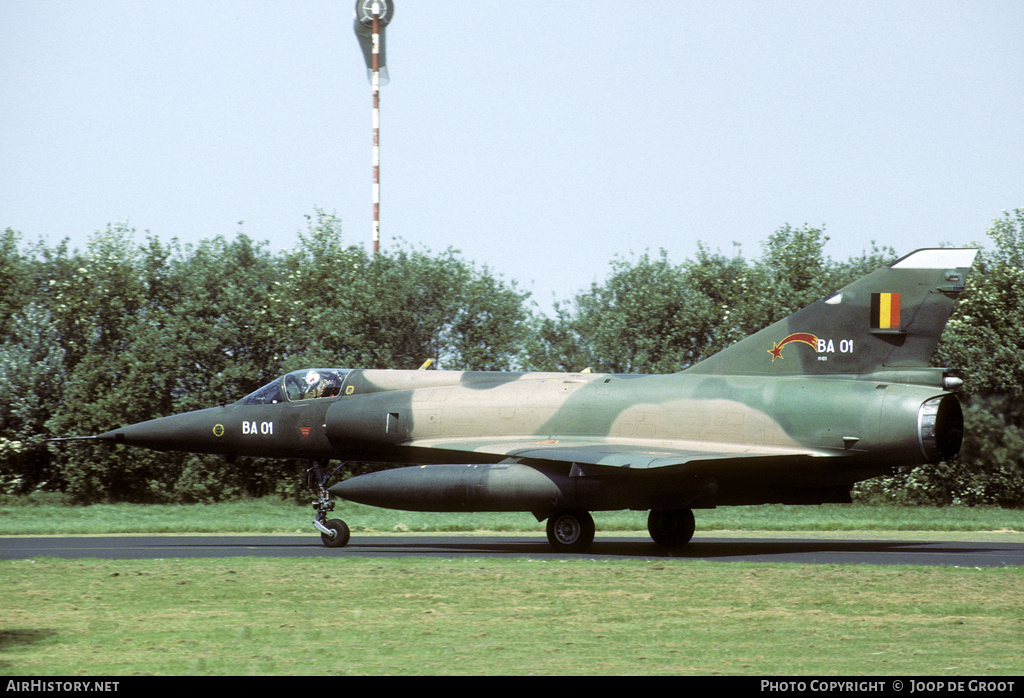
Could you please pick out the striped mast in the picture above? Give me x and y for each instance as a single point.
(375, 12)
(372, 17)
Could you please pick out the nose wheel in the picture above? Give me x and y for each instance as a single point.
(334, 533)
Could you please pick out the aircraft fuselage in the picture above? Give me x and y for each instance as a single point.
(874, 422)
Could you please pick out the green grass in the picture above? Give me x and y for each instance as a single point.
(345, 615)
(272, 515)
(337, 616)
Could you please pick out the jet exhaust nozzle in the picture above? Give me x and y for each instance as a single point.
(940, 424)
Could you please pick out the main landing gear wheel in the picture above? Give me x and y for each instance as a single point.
(341, 534)
(671, 528)
(571, 531)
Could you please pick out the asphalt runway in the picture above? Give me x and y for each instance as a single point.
(810, 550)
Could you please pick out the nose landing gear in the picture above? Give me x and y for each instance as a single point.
(334, 532)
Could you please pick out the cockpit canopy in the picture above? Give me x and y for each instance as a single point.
(306, 384)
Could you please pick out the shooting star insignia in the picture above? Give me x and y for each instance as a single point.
(804, 337)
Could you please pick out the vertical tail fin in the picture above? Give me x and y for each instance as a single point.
(891, 318)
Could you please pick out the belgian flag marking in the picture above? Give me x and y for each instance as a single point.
(885, 311)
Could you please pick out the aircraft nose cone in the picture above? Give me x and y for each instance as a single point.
(182, 432)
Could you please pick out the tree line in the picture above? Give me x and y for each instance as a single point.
(128, 330)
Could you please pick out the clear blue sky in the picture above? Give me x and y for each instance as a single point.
(540, 138)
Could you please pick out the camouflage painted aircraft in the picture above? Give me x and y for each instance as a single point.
(838, 392)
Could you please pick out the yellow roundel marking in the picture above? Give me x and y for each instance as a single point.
(350, 389)
(218, 430)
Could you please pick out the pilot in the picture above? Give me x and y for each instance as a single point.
(313, 384)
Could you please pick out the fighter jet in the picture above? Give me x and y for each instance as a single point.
(797, 413)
